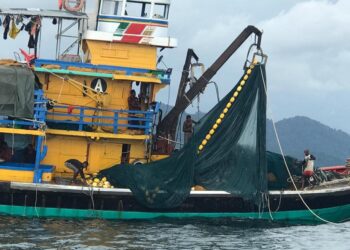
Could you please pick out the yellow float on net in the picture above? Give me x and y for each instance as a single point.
(222, 115)
(215, 126)
(242, 83)
(200, 147)
(245, 77)
(212, 131)
(218, 121)
(225, 110)
(232, 100)
(235, 94)
(208, 136)
(228, 105)
(239, 88)
(204, 142)
(249, 71)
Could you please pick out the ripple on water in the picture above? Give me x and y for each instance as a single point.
(20, 233)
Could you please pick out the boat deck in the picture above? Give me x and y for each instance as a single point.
(66, 185)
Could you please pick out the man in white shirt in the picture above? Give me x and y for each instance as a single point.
(308, 165)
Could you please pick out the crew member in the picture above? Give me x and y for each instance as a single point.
(77, 167)
(187, 128)
(5, 152)
(308, 165)
(134, 104)
(133, 101)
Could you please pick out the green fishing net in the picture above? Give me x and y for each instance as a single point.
(233, 159)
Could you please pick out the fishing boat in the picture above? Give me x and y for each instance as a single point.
(77, 106)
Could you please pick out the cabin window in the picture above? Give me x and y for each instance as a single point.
(161, 11)
(137, 9)
(111, 7)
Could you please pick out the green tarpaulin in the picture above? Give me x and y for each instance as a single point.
(16, 91)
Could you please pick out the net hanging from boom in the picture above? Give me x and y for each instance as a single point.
(226, 152)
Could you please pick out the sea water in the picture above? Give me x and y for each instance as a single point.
(21, 233)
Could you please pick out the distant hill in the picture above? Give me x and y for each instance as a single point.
(330, 146)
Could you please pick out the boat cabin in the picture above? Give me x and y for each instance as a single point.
(133, 21)
(144, 9)
(86, 88)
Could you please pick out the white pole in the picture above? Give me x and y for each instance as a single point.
(92, 11)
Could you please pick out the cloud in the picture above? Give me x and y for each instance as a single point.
(310, 41)
(306, 41)
(307, 45)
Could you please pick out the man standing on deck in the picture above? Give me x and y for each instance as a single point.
(133, 101)
(134, 104)
(308, 165)
(187, 128)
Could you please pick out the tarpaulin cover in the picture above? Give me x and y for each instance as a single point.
(16, 91)
(233, 160)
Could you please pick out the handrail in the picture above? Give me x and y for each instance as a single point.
(131, 119)
(81, 116)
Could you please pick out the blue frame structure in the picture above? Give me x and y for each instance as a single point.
(80, 117)
(37, 123)
(163, 75)
(140, 120)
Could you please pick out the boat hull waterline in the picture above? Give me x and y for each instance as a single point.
(60, 201)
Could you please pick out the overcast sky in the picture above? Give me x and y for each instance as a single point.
(307, 43)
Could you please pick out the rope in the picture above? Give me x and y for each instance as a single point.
(29, 120)
(59, 95)
(36, 200)
(268, 205)
(161, 137)
(189, 101)
(72, 82)
(198, 106)
(286, 165)
(279, 202)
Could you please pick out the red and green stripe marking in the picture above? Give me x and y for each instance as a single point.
(132, 32)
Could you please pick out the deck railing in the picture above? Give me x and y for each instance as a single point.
(84, 118)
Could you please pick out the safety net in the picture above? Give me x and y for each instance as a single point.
(226, 152)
